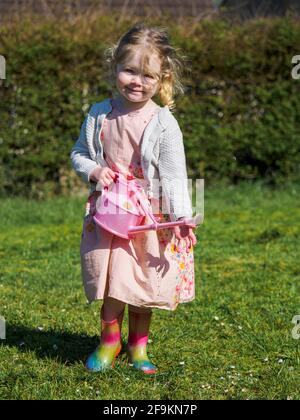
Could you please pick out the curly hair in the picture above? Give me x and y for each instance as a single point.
(151, 40)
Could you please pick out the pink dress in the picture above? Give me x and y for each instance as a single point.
(147, 270)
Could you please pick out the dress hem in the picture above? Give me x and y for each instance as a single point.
(114, 296)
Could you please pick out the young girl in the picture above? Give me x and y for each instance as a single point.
(131, 135)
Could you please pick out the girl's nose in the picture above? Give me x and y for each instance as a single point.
(136, 81)
(137, 78)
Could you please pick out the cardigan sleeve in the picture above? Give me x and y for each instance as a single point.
(173, 173)
(82, 162)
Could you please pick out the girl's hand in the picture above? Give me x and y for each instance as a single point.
(186, 234)
(103, 175)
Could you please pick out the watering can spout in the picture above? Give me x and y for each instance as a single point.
(190, 222)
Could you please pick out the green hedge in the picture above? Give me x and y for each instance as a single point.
(240, 115)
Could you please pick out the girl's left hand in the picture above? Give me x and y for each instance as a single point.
(186, 234)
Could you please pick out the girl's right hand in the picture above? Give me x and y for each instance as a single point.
(103, 175)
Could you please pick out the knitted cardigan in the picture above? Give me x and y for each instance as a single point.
(162, 157)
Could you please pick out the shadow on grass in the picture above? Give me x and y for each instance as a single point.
(66, 347)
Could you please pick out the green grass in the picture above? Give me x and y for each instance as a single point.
(233, 342)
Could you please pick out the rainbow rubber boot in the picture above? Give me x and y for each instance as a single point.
(104, 356)
(139, 324)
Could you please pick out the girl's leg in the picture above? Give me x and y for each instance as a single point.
(139, 325)
(110, 343)
(112, 308)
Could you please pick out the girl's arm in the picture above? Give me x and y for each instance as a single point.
(81, 159)
(173, 173)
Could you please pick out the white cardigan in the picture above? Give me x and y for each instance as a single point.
(162, 157)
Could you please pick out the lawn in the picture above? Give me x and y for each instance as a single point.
(233, 342)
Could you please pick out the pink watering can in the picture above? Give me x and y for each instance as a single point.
(123, 207)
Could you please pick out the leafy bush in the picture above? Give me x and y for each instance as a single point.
(239, 117)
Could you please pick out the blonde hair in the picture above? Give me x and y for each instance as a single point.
(154, 40)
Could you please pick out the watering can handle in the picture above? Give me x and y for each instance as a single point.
(146, 210)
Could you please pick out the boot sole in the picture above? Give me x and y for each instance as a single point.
(146, 372)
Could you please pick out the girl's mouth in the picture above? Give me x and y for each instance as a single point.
(135, 91)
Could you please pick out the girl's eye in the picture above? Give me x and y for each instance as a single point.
(148, 76)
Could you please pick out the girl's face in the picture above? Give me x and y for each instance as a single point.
(134, 84)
